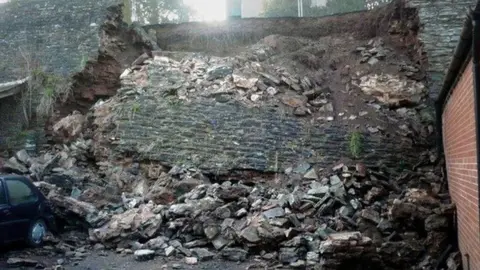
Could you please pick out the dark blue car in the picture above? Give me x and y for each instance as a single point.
(25, 214)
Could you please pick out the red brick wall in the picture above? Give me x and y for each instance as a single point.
(460, 153)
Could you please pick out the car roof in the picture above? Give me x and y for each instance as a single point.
(11, 176)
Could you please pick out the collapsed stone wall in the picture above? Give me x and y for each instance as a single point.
(77, 37)
(273, 105)
(268, 109)
(120, 44)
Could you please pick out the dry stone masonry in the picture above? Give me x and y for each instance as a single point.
(61, 34)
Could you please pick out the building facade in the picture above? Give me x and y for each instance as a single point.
(252, 8)
(234, 8)
(459, 139)
(456, 112)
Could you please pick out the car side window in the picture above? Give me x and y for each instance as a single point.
(20, 193)
(3, 196)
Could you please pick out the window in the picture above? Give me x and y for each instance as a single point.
(3, 197)
(20, 193)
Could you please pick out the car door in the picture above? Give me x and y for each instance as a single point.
(5, 214)
(24, 205)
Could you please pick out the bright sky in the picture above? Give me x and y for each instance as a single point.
(208, 10)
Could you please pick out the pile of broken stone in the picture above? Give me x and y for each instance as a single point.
(197, 76)
(352, 214)
(254, 78)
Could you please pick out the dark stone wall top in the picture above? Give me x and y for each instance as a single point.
(61, 34)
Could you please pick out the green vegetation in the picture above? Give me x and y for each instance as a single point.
(127, 11)
(134, 110)
(83, 62)
(402, 165)
(17, 138)
(292, 146)
(174, 102)
(50, 87)
(355, 144)
(135, 107)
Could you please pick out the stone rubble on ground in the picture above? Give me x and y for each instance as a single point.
(22, 262)
(373, 52)
(254, 81)
(144, 254)
(70, 127)
(392, 90)
(352, 214)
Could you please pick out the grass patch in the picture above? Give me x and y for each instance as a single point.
(134, 110)
(135, 107)
(83, 62)
(355, 145)
(51, 89)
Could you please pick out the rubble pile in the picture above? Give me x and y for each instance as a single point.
(392, 90)
(260, 76)
(197, 77)
(352, 215)
(342, 218)
(373, 52)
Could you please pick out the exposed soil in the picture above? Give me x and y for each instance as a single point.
(120, 46)
(225, 37)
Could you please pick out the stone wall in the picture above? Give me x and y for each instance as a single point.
(441, 25)
(62, 34)
(12, 121)
(218, 137)
(218, 114)
(55, 36)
